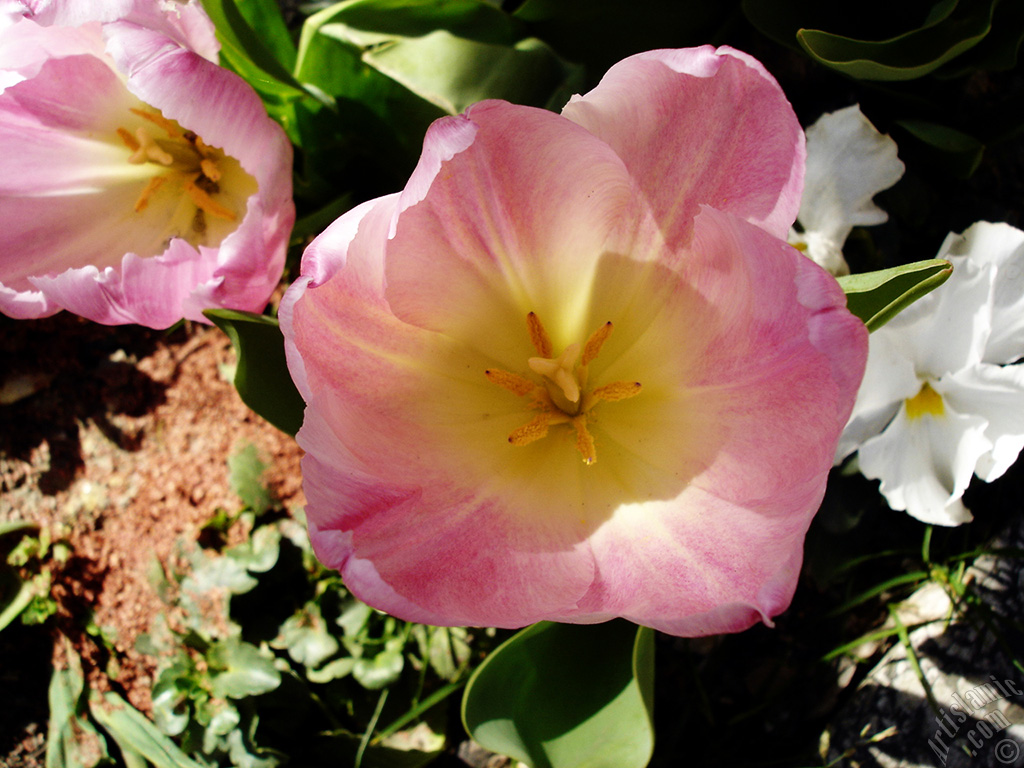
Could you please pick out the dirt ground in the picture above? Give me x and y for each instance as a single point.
(116, 440)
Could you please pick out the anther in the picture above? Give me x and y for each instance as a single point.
(513, 382)
(595, 342)
(538, 335)
(207, 203)
(584, 440)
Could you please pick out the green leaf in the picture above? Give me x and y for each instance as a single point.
(134, 733)
(241, 670)
(264, 16)
(944, 36)
(381, 670)
(306, 638)
(453, 72)
(877, 297)
(567, 696)
(261, 378)
(243, 50)
(15, 595)
(958, 152)
(71, 741)
(245, 474)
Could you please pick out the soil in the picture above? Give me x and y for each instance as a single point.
(106, 442)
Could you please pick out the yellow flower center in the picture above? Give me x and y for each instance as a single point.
(187, 180)
(927, 402)
(562, 396)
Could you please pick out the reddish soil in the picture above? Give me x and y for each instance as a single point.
(116, 440)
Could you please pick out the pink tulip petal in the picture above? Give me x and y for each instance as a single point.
(713, 121)
(511, 249)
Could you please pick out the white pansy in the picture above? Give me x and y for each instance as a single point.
(943, 395)
(848, 163)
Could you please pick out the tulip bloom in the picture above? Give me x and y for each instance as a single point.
(943, 395)
(140, 182)
(573, 371)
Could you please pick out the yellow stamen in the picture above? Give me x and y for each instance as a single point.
(538, 335)
(536, 428)
(207, 203)
(169, 127)
(584, 440)
(154, 184)
(128, 139)
(595, 342)
(617, 390)
(927, 402)
(513, 382)
(148, 150)
(210, 169)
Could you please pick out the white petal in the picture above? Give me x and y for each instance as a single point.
(889, 379)
(821, 249)
(926, 463)
(946, 331)
(848, 163)
(1001, 248)
(996, 394)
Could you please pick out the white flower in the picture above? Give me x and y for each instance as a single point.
(943, 395)
(848, 163)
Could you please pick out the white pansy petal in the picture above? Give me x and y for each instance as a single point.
(996, 394)
(1001, 247)
(848, 163)
(926, 463)
(947, 330)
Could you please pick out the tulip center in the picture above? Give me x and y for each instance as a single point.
(562, 395)
(927, 402)
(187, 180)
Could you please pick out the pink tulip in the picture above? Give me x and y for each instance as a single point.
(573, 371)
(139, 181)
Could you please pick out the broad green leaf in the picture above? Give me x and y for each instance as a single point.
(942, 37)
(383, 669)
(958, 152)
(242, 49)
(259, 554)
(264, 17)
(567, 696)
(71, 740)
(877, 297)
(245, 475)
(241, 670)
(134, 733)
(453, 72)
(261, 378)
(306, 638)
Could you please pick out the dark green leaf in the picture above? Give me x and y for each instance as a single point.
(567, 696)
(242, 49)
(261, 378)
(877, 297)
(916, 53)
(958, 152)
(264, 17)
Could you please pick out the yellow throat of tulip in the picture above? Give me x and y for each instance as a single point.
(199, 191)
(562, 396)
